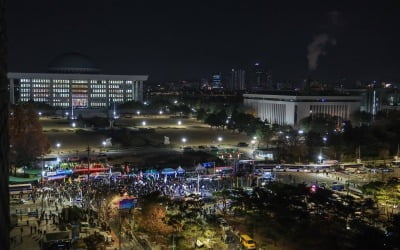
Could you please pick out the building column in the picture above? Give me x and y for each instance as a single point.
(12, 90)
(140, 91)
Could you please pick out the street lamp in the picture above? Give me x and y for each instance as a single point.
(219, 139)
(73, 124)
(161, 112)
(324, 139)
(143, 123)
(184, 140)
(253, 142)
(320, 158)
(301, 132)
(179, 122)
(40, 113)
(58, 145)
(138, 112)
(104, 144)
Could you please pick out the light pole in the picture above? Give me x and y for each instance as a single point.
(320, 158)
(73, 124)
(143, 123)
(179, 122)
(104, 145)
(58, 145)
(253, 142)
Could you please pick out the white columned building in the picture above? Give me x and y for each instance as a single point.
(291, 109)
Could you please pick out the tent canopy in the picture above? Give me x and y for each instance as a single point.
(168, 171)
(180, 170)
(33, 171)
(14, 179)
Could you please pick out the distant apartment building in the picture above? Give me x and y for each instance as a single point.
(238, 80)
(290, 109)
(74, 81)
(216, 81)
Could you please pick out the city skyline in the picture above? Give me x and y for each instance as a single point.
(190, 41)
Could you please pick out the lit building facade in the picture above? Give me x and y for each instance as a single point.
(291, 109)
(73, 81)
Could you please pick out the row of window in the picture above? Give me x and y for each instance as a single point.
(61, 104)
(98, 95)
(62, 95)
(98, 86)
(60, 81)
(98, 104)
(73, 81)
(116, 91)
(61, 90)
(99, 91)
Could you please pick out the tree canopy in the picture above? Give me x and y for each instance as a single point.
(27, 140)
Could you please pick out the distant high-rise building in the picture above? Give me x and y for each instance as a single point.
(259, 78)
(238, 80)
(216, 81)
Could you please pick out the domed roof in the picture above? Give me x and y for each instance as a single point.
(72, 63)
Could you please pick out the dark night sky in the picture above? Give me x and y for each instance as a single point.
(191, 39)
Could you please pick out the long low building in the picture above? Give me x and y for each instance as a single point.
(74, 81)
(291, 109)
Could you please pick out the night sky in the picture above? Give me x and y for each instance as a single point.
(171, 40)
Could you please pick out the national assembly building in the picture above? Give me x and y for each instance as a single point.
(73, 81)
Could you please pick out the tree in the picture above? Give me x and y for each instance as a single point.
(319, 123)
(212, 120)
(26, 136)
(201, 114)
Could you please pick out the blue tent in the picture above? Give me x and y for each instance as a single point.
(168, 171)
(180, 170)
(151, 172)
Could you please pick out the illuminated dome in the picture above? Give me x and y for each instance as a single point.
(73, 63)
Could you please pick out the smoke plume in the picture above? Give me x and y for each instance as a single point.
(317, 48)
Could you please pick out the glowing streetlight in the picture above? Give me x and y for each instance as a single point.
(138, 112)
(184, 140)
(320, 158)
(301, 132)
(220, 139)
(161, 112)
(324, 139)
(104, 143)
(143, 123)
(66, 113)
(175, 102)
(40, 113)
(254, 137)
(179, 122)
(73, 124)
(58, 145)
